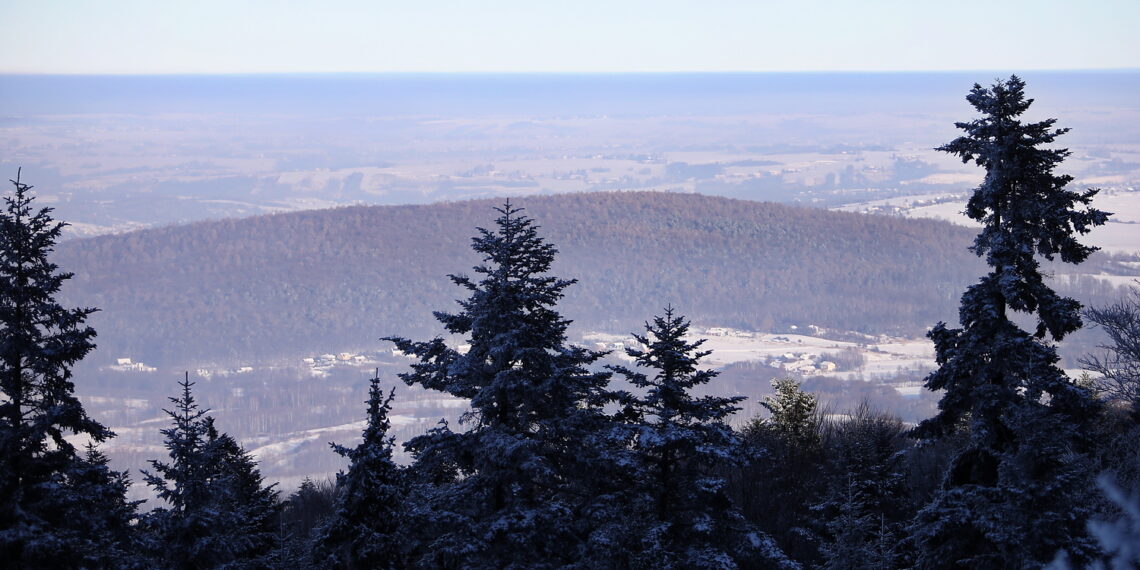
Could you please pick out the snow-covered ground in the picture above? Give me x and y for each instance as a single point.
(740, 346)
(1120, 235)
(800, 353)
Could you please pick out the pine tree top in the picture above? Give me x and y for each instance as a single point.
(1023, 206)
(677, 370)
(518, 369)
(376, 443)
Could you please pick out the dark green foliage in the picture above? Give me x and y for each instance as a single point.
(219, 510)
(368, 524)
(513, 489)
(1014, 495)
(57, 508)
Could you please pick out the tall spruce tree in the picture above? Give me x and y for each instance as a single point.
(1013, 496)
(678, 441)
(219, 511)
(367, 526)
(511, 490)
(45, 519)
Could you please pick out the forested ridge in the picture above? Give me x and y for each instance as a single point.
(317, 281)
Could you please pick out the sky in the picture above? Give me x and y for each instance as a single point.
(286, 36)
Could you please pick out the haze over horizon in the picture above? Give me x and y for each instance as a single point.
(213, 37)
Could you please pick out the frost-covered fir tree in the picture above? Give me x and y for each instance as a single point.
(183, 483)
(219, 511)
(512, 489)
(44, 517)
(678, 440)
(96, 488)
(1014, 496)
(367, 526)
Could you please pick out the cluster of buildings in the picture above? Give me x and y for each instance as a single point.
(619, 346)
(802, 363)
(319, 365)
(127, 365)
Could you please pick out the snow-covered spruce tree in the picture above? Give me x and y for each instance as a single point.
(96, 488)
(44, 518)
(367, 526)
(1014, 496)
(683, 516)
(513, 490)
(183, 483)
(219, 511)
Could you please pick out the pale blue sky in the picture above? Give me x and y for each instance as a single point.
(264, 36)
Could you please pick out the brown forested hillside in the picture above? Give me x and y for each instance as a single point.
(277, 286)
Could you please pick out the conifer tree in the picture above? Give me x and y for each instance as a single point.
(219, 510)
(795, 418)
(44, 515)
(785, 473)
(511, 488)
(249, 509)
(678, 441)
(367, 525)
(1013, 497)
(110, 519)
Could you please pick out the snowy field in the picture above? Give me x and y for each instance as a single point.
(793, 352)
(1120, 235)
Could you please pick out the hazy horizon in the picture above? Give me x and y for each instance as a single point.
(124, 152)
(213, 36)
(687, 91)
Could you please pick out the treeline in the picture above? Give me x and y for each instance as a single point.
(324, 281)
